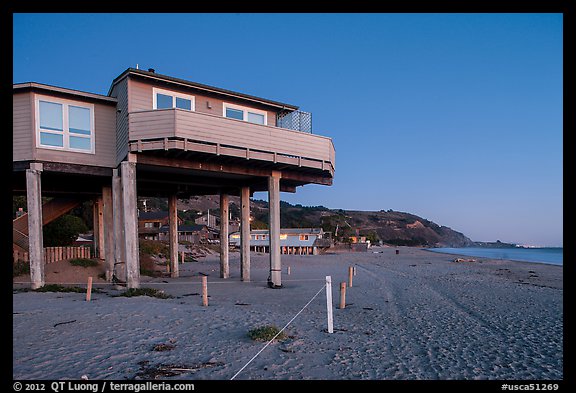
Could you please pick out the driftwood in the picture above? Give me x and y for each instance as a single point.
(464, 260)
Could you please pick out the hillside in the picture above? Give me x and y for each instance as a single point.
(390, 227)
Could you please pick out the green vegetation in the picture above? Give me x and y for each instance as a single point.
(154, 247)
(84, 262)
(132, 292)
(63, 231)
(60, 288)
(266, 333)
(19, 268)
(413, 242)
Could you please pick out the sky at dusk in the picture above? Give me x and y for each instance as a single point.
(457, 118)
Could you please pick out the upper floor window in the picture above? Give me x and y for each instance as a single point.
(64, 124)
(303, 237)
(244, 113)
(166, 99)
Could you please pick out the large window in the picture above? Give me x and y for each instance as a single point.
(166, 99)
(246, 114)
(64, 124)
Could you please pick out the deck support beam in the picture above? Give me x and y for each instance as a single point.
(128, 175)
(245, 234)
(173, 235)
(224, 260)
(98, 228)
(275, 280)
(119, 271)
(108, 226)
(34, 205)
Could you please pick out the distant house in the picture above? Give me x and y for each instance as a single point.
(149, 224)
(211, 221)
(194, 234)
(300, 241)
(208, 219)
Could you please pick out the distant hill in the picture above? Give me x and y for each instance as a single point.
(389, 227)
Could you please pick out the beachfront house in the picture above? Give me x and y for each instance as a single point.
(149, 224)
(155, 135)
(300, 241)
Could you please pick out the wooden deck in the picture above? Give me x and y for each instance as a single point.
(168, 129)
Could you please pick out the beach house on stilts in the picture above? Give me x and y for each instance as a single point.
(155, 135)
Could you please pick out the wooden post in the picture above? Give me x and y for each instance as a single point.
(350, 274)
(173, 235)
(118, 222)
(274, 221)
(224, 217)
(205, 291)
(129, 195)
(182, 256)
(342, 295)
(329, 304)
(89, 289)
(245, 234)
(108, 226)
(288, 270)
(36, 241)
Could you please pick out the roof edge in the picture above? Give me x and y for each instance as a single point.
(200, 86)
(63, 90)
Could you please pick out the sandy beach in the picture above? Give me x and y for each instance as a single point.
(409, 316)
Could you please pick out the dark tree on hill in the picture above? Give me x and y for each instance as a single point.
(63, 231)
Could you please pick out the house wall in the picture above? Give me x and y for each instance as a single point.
(120, 92)
(24, 133)
(22, 127)
(141, 98)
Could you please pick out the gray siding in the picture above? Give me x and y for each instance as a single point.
(120, 92)
(22, 127)
(105, 141)
(141, 99)
(168, 123)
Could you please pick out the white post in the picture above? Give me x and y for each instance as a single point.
(245, 234)
(224, 223)
(108, 219)
(329, 304)
(173, 235)
(274, 219)
(36, 241)
(129, 195)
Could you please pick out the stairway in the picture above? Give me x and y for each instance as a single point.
(51, 210)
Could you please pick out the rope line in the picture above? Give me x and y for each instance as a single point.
(277, 334)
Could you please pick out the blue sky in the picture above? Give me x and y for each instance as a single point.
(456, 118)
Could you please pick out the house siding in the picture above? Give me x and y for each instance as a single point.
(22, 127)
(105, 140)
(166, 123)
(120, 92)
(141, 99)
(24, 135)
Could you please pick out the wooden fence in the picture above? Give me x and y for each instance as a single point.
(55, 254)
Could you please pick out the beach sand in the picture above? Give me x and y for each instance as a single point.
(409, 316)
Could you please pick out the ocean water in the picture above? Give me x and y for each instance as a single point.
(550, 255)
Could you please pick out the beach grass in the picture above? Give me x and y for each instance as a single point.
(84, 262)
(266, 333)
(151, 292)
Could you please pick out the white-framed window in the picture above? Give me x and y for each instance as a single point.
(166, 99)
(148, 225)
(250, 115)
(63, 124)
